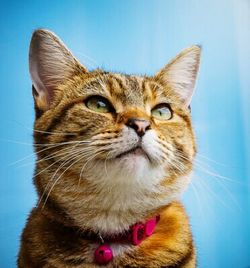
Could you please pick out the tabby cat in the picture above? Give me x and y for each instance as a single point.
(114, 154)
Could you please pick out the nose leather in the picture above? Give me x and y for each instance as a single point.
(139, 125)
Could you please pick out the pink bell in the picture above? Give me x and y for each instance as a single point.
(103, 255)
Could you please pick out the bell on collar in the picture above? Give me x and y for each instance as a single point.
(103, 254)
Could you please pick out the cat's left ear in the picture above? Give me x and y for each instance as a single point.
(181, 73)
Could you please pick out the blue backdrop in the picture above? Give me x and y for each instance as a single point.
(140, 37)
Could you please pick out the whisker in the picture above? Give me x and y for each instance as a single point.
(68, 159)
(55, 182)
(16, 142)
(56, 132)
(61, 143)
(213, 174)
(43, 144)
(90, 158)
(46, 132)
(217, 177)
(212, 193)
(196, 196)
(80, 158)
(198, 164)
(74, 153)
(35, 153)
(51, 156)
(50, 166)
(211, 160)
(80, 176)
(105, 163)
(205, 207)
(47, 148)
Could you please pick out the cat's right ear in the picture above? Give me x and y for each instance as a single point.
(51, 64)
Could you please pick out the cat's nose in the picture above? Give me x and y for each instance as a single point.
(139, 125)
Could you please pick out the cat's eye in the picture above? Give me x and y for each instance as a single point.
(99, 104)
(162, 111)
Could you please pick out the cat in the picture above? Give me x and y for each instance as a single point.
(114, 154)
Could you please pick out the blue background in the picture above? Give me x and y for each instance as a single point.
(140, 37)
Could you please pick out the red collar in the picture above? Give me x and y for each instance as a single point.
(135, 235)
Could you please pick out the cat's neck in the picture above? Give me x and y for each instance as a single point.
(57, 215)
(86, 205)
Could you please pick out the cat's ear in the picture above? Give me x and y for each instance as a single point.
(50, 65)
(181, 73)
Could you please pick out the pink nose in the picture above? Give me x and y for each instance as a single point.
(139, 125)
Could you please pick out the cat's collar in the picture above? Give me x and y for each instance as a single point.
(135, 235)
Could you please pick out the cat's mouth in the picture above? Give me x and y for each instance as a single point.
(136, 151)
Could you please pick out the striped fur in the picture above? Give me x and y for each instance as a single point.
(82, 181)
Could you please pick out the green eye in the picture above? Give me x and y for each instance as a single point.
(162, 112)
(99, 104)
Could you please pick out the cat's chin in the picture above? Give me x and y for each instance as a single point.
(133, 154)
(131, 169)
(135, 162)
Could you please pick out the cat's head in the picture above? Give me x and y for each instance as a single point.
(124, 137)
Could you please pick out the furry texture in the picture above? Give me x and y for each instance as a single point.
(89, 175)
